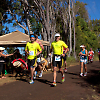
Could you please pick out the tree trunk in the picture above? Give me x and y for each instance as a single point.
(27, 18)
(70, 48)
(73, 4)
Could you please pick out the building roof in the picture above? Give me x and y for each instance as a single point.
(17, 39)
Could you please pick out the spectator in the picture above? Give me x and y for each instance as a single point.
(2, 61)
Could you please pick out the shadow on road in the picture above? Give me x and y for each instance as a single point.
(93, 79)
(77, 74)
(24, 80)
(46, 81)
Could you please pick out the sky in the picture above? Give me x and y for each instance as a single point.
(93, 7)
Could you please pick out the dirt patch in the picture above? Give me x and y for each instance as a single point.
(9, 78)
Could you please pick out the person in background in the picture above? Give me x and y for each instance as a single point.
(90, 53)
(65, 57)
(2, 61)
(83, 59)
(39, 59)
(99, 54)
(31, 49)
(17, 54)
(18, 57)
(57, 47)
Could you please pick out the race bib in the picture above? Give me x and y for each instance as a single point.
(31, 53)
(57, 58)
(82, 56)
(38, 59)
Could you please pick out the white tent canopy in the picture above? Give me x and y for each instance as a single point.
(17, 39)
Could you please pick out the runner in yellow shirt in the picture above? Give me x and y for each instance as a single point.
(31, 49)
(57, 47)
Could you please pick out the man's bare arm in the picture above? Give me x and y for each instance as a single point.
(39, 52)
(42, 46)
(67, 49)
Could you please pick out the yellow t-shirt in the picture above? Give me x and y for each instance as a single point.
(58, 47)
(32, 49)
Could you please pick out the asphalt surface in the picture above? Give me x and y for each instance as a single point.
(74, 87)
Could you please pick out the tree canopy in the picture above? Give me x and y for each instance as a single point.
(46, 17)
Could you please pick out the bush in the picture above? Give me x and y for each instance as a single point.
(70, 60)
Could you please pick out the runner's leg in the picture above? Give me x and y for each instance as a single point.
(85, 70)
(60, 64)
(65, 66)
(32, 68)
(40, 67)
(55, 74)
(32, 72)
(81, 63)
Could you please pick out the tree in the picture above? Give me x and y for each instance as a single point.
(84, 35)
(80, 10)
(3, 16)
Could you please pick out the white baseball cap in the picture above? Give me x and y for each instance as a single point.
(57, 34)
(82, 46)
(2, 48)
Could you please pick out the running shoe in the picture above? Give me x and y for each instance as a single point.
(85, 74)
(31, 82)
(63, 79)
(65, 70)
(53, 84)
(81, 74)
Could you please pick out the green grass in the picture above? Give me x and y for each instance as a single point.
(70, 60)
(96, 58)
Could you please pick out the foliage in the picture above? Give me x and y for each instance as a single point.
(84, 35)
(3, 16)
(70, 60)
(52, 17)
(80, 10)
(36, 26)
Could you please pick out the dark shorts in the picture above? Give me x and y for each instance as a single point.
(31, 63)
(65, 57)
(55, 63)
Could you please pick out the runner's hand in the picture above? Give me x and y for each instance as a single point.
(63, 55)
(80, 53)
(37, 54)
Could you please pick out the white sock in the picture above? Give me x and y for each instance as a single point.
(54, 80)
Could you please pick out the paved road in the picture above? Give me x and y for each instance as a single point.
(74, 88)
